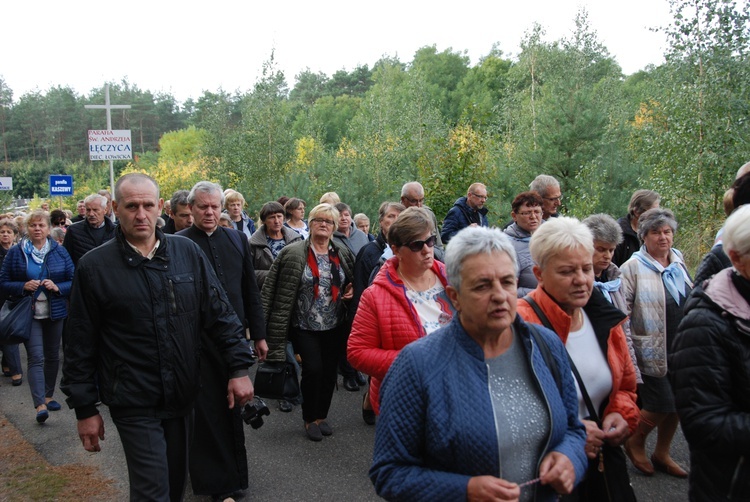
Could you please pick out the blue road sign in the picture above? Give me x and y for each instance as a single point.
(61, 185)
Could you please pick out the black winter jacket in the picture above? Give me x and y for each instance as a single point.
(710, 371)
(136, 323)
(79, 239)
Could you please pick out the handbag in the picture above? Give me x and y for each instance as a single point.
(15, 320)
(276, 380)
(607, 477)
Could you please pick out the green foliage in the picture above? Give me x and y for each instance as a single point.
(693, 135)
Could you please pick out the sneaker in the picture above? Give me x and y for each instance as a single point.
(285, 406)
(313, 432)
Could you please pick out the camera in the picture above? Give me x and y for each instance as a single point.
(252, 413)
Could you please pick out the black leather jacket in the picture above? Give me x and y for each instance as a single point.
(136, 323)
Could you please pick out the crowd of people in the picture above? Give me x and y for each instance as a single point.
(516, 363)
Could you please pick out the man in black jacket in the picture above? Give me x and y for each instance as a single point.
(218, 466)
(139, 306)
(93, 231)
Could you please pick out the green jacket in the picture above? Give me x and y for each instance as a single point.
(280, 290)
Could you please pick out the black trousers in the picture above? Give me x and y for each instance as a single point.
(320, 351)
(156, 451)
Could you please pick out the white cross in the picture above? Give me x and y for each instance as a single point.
(109, 107)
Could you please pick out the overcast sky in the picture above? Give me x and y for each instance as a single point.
(188, 47)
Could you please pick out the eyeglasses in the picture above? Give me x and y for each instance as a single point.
(480, 197)
(416, 202)
(530, 213)
(417, 246)
(559, 198)
(321, 221)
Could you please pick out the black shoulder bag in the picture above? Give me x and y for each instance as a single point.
(607, 476)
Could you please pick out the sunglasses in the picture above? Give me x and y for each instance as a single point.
(417, 246)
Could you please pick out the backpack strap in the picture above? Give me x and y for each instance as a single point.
(549, 360)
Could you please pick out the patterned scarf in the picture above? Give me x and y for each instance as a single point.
(333, 257)
(36, 254)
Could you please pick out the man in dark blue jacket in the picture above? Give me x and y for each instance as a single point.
(467, 211)
(139, 305)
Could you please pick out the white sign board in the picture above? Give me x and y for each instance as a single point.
(6, 183)
(110, 145)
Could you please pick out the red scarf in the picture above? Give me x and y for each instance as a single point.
(312, 262)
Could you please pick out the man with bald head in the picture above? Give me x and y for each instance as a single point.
(468, 211)
(412, 195)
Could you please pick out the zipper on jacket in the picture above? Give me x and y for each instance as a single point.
(549, 410)
(494, 421)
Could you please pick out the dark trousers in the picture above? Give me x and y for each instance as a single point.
(320, 352)
(156, 451)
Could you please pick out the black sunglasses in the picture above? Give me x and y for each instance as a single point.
(417, 246)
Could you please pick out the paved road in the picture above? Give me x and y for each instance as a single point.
(283, 464)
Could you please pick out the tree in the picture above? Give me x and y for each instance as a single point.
(442, 73)
(693, 133)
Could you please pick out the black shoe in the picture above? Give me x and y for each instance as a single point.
(285, 406)
(17, 382)
(361, 379)
(350, 384)
(325, 429)
(313, 432)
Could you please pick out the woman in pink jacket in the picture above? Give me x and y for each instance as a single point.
(405, 302)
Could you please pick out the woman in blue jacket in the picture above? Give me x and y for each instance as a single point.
(40, 267)
(482, 407)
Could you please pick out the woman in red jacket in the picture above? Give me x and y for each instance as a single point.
(405, 302)
(566, 301)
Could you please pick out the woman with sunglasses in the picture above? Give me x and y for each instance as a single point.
(303, 300)
(405, 302)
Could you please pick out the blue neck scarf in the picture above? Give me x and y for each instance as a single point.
(609, 287)
(673, 276)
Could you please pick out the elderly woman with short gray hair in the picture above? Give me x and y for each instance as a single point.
(607, 235)
(655, 283)
(474, 411)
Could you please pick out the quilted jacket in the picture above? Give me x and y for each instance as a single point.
(262, 256)
(607, 321)
(386, 321)
(710, 371)
(279, 294)
(437, 426)
(644, 294)
(58, 266)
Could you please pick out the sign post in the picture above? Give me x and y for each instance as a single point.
(108, 108)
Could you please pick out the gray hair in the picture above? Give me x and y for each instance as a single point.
(412, 185)
(604, 228)
(557, 235)
(736, 236)
(472, 241)
(654, 219)
(205, 187)
(94, 197)
(179, 198)
(543, 183)
(57, 233)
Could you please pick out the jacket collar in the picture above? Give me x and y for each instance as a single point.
(135, 259)
(721, 291)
